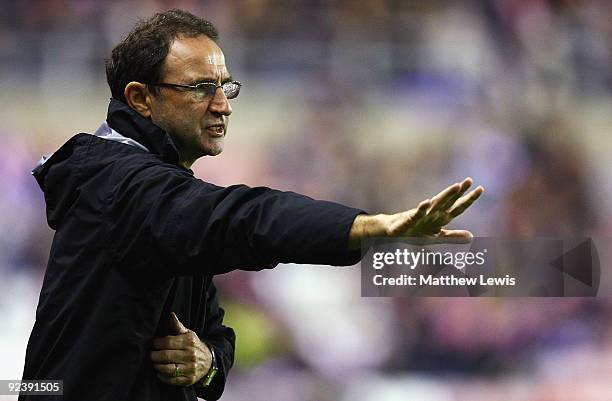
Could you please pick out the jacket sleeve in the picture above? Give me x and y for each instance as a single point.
(222, 339)
(161, 216)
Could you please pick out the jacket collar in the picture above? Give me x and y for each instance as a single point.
(125, 120)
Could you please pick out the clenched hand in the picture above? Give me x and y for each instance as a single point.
(184, 351)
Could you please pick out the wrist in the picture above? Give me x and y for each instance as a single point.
(207, 379)
(367, 226)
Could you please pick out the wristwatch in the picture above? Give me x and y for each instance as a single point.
(207, 379)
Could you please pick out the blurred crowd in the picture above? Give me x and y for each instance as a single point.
(376, 104)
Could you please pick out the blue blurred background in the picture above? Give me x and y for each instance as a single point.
(376, 104)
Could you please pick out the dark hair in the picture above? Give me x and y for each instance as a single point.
(141, 54)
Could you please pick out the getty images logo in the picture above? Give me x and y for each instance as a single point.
(424, 257)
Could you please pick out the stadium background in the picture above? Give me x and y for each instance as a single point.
(377, 104)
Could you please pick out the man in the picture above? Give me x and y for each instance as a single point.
(128, 309)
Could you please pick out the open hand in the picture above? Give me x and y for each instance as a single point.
(431, 215)
(426, 222)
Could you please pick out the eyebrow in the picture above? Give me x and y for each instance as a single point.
(212, 80)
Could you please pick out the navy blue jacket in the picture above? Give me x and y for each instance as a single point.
(137, 237)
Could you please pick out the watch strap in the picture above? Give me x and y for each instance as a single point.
(212, 371)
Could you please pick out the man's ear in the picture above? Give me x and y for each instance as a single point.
(138, 96)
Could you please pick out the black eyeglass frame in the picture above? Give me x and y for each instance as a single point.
(197, 86)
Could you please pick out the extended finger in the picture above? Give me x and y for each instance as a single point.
(441, 198)
(465, 201)
(410, 218)
(421, 210)
(450, 201)
(455, 236)
(442, 237)
(170, 356)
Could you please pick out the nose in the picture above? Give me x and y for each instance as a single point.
(220, 104)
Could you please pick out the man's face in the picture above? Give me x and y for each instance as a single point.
(197, 126)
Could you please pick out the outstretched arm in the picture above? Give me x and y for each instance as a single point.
(426, 220)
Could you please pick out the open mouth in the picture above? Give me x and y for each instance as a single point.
(216, 130)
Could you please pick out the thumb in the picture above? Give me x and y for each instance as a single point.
(176, 326)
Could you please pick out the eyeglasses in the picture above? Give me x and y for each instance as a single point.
(206, 90)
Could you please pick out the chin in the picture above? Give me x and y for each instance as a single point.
(212, 147)
(214, 151)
